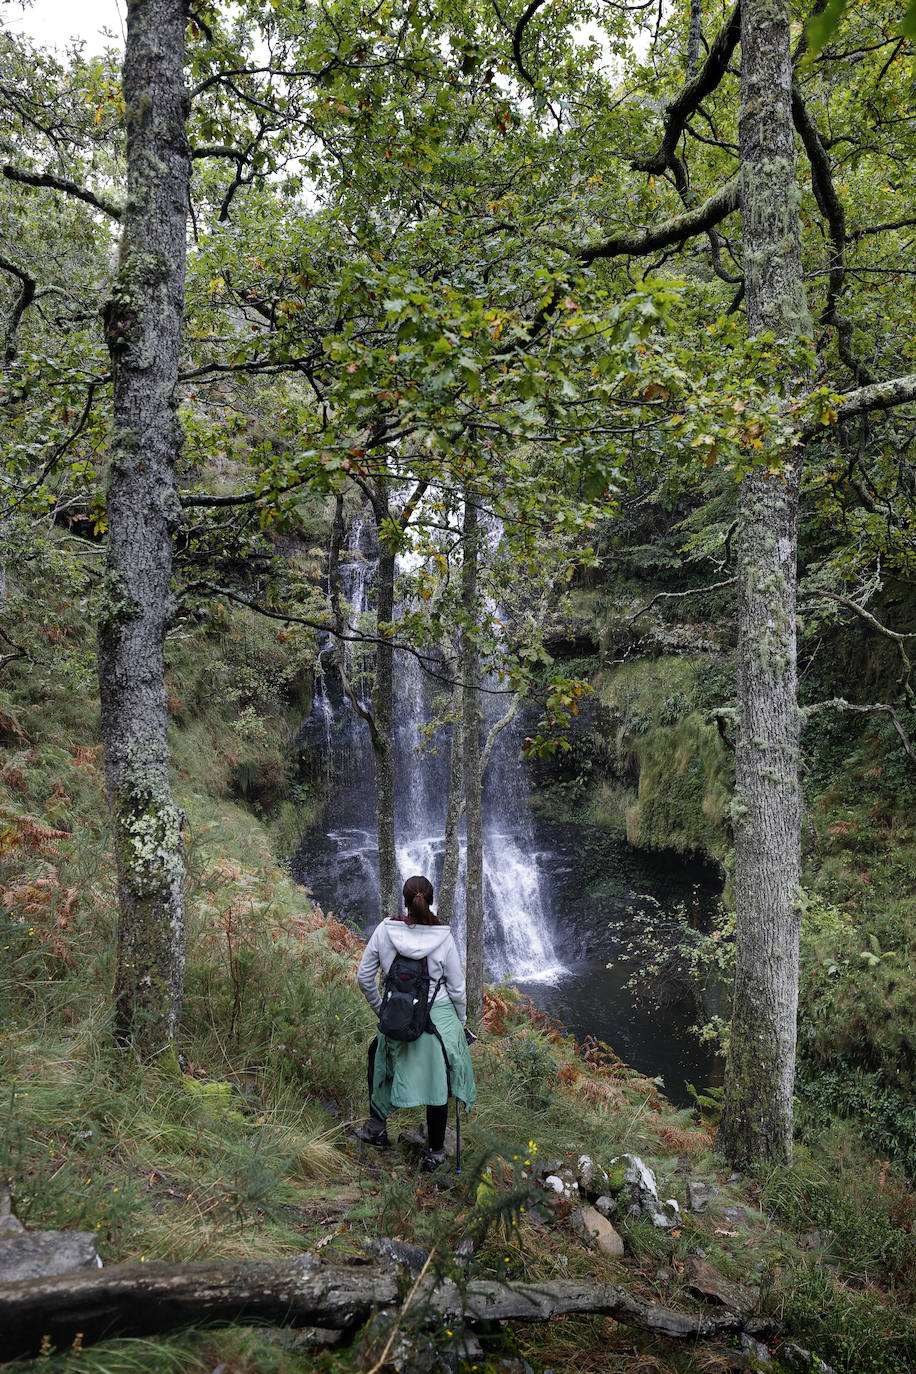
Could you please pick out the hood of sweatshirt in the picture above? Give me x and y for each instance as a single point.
(415, 942)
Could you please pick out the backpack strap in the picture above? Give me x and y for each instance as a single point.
(431, 1027)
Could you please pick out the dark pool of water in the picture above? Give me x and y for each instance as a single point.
(605, 898)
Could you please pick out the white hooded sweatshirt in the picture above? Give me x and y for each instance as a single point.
(435, 943)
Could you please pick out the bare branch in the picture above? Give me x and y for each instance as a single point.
(838, 704)
(19, 307)
(64, 184)
(899, 391)
(696, 90)
(875, 624)
(428, 662)
(831, 207)
(670, 232)
(527, 15)
(691, 591)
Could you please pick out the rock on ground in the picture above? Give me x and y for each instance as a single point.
(36, 1254)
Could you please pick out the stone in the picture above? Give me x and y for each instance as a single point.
(400, 1252)
(644, 1197)
(735, 1216)
(36, 1254)
(606, 1205)
(592, 1179)
(801, 1361)
(9, 1225)
(563, 1184)
(757, 1351)
(812, 1241)
(704, 1279)
(597, 1230)
(701, 1195)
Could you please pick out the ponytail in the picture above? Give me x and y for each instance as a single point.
(418, 894)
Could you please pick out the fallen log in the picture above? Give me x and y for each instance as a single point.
(152, 1299)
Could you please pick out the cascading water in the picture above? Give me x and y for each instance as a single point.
(343, 871)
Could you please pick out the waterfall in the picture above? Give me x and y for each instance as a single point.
(343, 871)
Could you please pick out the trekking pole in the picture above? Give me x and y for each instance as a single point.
(457, 1136)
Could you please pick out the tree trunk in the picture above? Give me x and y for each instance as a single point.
(470, 750)
(454, 806)
(143, 329)
(383, 713)
(694, 36)
(151, 1299)
(757, 1113)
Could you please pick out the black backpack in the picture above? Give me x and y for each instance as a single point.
(404, 1013)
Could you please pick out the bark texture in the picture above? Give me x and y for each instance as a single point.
(143, 330)
(757, 1113)
(382, 731)
(471, 722)
(454, 806)
(150, 1299)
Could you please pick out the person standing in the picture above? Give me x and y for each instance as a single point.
(421, 1072)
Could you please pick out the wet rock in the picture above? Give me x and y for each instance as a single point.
(597, 1231)
(701, 1195)
(35, 1254)
(705, 1280)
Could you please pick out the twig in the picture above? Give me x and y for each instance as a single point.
(691, 591)
(838, 704)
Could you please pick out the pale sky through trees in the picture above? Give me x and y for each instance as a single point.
(53, 22)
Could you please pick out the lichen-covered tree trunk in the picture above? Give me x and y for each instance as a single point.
(471, 721)
(143, 329)
(383, 736)
(757, 1113)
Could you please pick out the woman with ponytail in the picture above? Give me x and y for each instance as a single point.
(421, 1072)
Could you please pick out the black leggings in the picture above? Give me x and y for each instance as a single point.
(436, 1117)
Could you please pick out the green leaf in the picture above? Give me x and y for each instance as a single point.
(822, 27)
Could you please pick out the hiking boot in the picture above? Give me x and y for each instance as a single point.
(432, 1160)
(373, 1132)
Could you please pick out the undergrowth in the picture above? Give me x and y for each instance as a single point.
(246, 1153)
